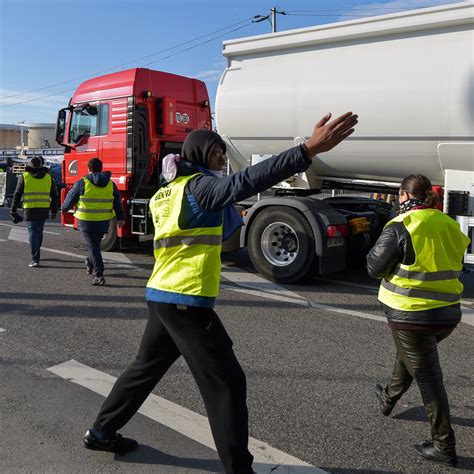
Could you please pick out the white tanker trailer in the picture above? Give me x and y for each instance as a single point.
(410, 78)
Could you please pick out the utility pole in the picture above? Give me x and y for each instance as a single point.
(271, 18)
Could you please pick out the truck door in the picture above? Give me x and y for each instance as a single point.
(113, 130)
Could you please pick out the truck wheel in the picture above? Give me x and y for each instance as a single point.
(281, 245)
(110, 240)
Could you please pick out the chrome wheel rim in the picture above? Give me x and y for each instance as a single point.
(279, 244)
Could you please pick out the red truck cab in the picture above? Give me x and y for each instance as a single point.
(130, 120)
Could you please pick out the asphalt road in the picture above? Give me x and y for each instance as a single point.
(311, 354)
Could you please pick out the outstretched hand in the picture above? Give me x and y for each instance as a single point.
(326, 135)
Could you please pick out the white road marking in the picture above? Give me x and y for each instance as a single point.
(2, 330)
(270, 290)
(3, 240)
(256, 282)
(116, 257)
(26, 229)
(19, 234)
(306, 303)
(182, 420)
(467, 315)
(240, 277)
(374, 289)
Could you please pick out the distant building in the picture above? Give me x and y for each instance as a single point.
(40, 135)
(34, 135)
(10, 136)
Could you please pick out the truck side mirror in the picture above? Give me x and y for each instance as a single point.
(61, 126)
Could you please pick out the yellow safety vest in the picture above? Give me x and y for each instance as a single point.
(432, 281)
(188, 260)
(96, 204)
(37, 191)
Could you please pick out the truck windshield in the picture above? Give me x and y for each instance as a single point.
(82, 123)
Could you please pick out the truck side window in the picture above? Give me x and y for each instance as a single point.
(104, 119)
(82, 123)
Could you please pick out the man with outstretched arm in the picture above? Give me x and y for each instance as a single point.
(192, 211)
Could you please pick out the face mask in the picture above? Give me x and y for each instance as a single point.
(218, 174)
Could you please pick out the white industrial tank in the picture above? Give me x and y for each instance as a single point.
(409, 76)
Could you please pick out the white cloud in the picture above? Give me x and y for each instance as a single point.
(381, 8)
(214, 72)
(34, 99)
(209, 75)
(32, 107)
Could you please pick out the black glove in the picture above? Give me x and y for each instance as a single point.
(16, 217)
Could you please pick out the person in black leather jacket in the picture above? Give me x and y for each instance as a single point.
(417, 332)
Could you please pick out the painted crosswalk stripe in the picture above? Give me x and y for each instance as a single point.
(184, 421)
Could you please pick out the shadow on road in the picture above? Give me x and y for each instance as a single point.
(418, 414)
(148, 455)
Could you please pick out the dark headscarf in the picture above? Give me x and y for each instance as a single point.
(198, 145)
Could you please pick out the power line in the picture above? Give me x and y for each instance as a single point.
(128, 62)
(151, 62)
(37, 98)
(195, 46)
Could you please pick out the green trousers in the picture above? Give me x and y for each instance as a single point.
(417, 358)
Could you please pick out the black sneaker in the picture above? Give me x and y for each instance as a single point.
(115, 443)
(34, 264)
(385, 407)
(98, 281)
(89, 267)
(431, 452)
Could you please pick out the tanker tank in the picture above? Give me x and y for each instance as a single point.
(409, 76)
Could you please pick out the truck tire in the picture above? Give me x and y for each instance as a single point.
(281, 245)
(110, 240)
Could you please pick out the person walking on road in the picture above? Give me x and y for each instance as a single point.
(39, 193)
(97, 200)
(419, 258)
(192, 212)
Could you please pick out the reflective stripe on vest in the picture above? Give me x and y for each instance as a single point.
(424, 294)
(188, 260)
(432, 281)
(187, 240)
(97, 203)
(37, 192)
(428, 276)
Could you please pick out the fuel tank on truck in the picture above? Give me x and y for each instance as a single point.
(409, 76)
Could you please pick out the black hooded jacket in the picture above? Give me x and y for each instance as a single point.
(35, 214)
(214, 194)
(100, 180)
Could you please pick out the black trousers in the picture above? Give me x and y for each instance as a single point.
(417, 358)
(199, 336)
(94, 259)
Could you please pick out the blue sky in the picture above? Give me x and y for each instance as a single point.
(61, 43)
